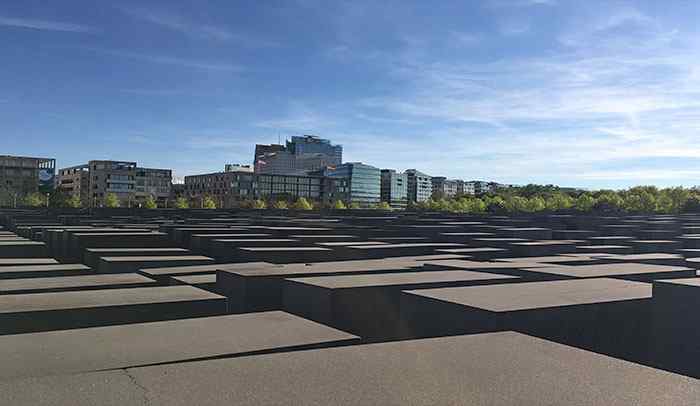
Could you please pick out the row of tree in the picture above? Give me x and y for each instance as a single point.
(526, 199)
(537, 198)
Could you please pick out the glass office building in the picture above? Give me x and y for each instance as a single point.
(355, 183)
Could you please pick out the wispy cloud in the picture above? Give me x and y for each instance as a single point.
(43, 25)
(170, 60)
(300, 118)
(172, 21)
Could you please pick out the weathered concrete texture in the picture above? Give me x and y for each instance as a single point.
(506, 369)
(610, 240)
(604, 249)
(227, 250)
(368, 305)
(136, 263)
(66, 310)
(531, 233)
(675, 325)
(628, 271)
(543, 248)
(604, 315)
(101, 348)
(399, 250)
(73, 283)
(39, 271)
(258, 289)
(27, 261)
(164, 274)
(651, 246)
(92, 255)
(283, 255)
(480, 253)
(79, 241)
(26, 249)
(202, 242)
(655, 258)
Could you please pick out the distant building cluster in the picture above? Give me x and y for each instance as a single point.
(305, 166)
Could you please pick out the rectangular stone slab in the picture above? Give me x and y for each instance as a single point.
(629, 271)
(164, 274)
(505, 369)
(27, 261)
(608, 316)
(675, 324)
(261, 289)
(368, 304)
(101, 348)
(27, 249)
(136, 263)
(91, 256)
(39, 271)
(66, 310)
(73, 283)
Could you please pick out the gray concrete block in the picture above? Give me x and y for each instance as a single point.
(39, 271)
(136, 263)
(112, 347)
(506, 369)
(368, 305)
(68, 310)
(73, 283)
(604, 315)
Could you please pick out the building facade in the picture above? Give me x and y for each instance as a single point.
(420, 186)
(22, 176)
(299, 156)
(394, 188)
(129, 183)
(154, 182)
(355, 183)
(228, 189)
(446, 188)
(238, 168)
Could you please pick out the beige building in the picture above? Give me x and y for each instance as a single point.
(21, 176)
(131, 184)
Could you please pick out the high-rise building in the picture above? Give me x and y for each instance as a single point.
(299, 156)
(129, 183)
(21, 176)
(355, 183)
(446, 188)
(394, 188)
(420, 186)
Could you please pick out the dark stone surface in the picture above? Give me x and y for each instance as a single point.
(101, 348)
(136, 263)
(73, 283)
(604, 315)
(68, 310)
(505, 369)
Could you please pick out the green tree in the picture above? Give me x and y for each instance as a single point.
(208, 203)
(535, 204)
(559, 201)
(150, 202)
(112, 201)
(585, 203)
(339, 205)
(35, 199)
(354, 205)
(383, 206)
(609, 200)
(182, 203)
(74, 202)
(258, 204)
(303, 204)
(280, 205)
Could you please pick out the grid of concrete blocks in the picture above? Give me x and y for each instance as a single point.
(241, 308)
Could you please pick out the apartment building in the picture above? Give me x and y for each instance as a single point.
(21, 176)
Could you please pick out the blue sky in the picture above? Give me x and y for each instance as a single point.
(579, 93)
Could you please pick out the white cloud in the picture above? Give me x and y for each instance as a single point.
(170, 60)
(178, 23)
(43, 25)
